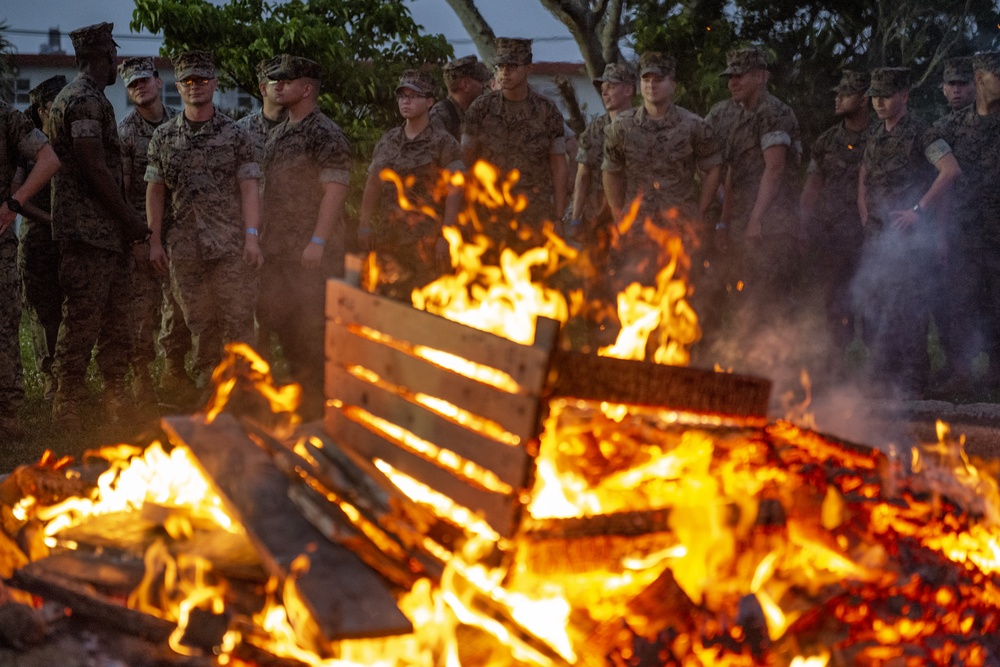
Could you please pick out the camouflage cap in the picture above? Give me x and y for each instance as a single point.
(887, 81)
(616, 73)
(657, 63)
(93, 39)
(418, 81)
(265, 66)
(47, 90)
(512, 50)
(194, 63)
(135, 68)
(958, 70)
(852, 82)
(741, 61)
(289, 68)
(466, 66)
(988, 61)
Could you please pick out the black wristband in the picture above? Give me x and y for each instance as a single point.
(13, 205)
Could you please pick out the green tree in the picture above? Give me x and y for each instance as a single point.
(362, 45)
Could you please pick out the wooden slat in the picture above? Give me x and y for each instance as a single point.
(498, 510)
(516, 413)
(505, 461)
(346, 305)
(345, 598)
(595, 378)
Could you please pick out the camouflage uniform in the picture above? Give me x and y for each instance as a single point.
(19, 141)
(38, 261)
(155, 307)
(769, 269)
(894, 284)
(299, 158)
(835, 230)
(202, 169)
(94, 273)
(447, 112)
(406, 240)
(970, 301)
(519, 135)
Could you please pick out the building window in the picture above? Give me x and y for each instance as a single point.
(244, 101)
(22, 88)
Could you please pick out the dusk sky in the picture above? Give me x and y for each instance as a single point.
(513, 18)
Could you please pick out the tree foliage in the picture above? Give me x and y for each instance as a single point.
(362, 45)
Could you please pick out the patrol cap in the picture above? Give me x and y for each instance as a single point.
(135, 68)
(93, 39)
(616, 73)
(194, 63)
(657, 63)
(418, 81)
(264, 66)
(988, 61)
(852, 82)
(288, 68)
(512, 50)
(466, 66)
(741, 61)
(958, 70)
(887, 81)
(47, 90)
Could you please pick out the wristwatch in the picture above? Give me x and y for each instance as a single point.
(13, 205)
(917, 209)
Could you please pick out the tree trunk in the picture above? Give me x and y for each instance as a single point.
(479, 30)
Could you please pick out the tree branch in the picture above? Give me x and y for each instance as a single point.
(479, 30)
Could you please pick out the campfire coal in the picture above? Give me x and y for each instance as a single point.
(473, 500)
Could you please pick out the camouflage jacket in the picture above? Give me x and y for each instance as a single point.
(836, 158)
(134, 132)
(660, 157)
(590, 153)
(20, 141)
(81, 111)
(421, 158)
(518, 135)
(899, 165)
(975, 141)
(744, 134)
(299, 158)
(448, 115)
(202, 170)
(258, 126)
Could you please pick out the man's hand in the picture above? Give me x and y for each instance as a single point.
(157, 257)
(142, 255)
(753, 232)
(135, 229)
(251, 252)
(312, 256)
(903, 219)
(6, 217)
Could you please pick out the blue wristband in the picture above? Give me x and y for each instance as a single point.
(318, 241)
(252, 231)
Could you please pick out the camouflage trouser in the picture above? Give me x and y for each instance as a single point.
(11, 382)
(291, 305)
(38, 263)
(218, 300)
(97, 297)
(155, 311)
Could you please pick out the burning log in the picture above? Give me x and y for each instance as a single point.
(342, 596)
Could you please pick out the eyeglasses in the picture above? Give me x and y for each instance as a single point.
(410, 96)
(200, 81)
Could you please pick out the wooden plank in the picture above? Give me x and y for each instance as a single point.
(345, 598)
(346, 305)
(508, 462)
(516, 413)
(589, 377)
(498, 510)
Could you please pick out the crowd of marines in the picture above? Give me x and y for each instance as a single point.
(175, 231)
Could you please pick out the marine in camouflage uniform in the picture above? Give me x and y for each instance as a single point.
(407, 243)
(38, 254)
(902, 196)
(94, 226)
(307, 164)
(20, 141)
(653, 154)
(829, 209)
(271, 113)
(156, 313)
(969, 304)
(206, 164)
(957, 83)
(517, 128)
(754, 127)
(465, 79)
